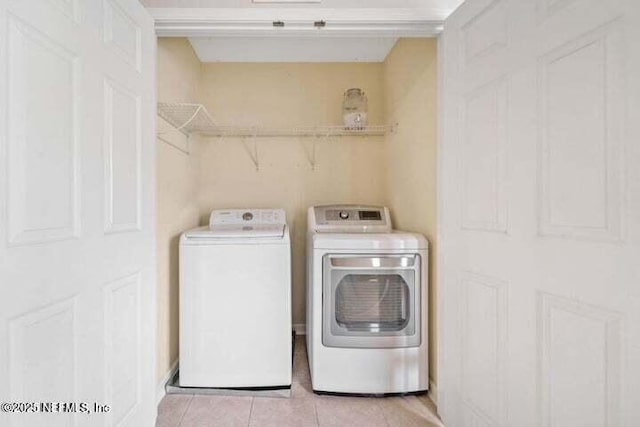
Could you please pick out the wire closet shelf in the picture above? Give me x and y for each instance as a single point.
(195, 119)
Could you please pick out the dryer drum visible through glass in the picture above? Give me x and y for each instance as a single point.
(371, 301)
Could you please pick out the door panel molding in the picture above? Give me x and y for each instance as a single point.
(122, 316)
(485, 33)
(41, 211)
(548, 8)
(484, 157)
(121, 34)
(484, 346)
(586, 201)
(52, 370)
(122, 159)
(68, 7)
(587, 364)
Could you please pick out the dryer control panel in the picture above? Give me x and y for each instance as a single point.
(349, 219)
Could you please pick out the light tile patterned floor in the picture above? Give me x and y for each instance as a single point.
(303, 409)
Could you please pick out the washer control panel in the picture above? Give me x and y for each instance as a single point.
(349, 218)
(247, 216)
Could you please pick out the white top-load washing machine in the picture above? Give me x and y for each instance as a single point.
(235, 301)
(366, 303)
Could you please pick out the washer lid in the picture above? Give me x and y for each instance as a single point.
(238, 231)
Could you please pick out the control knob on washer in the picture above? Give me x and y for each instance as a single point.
(344, 214)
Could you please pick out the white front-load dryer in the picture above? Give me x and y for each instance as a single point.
(367, 303)
(235, 301)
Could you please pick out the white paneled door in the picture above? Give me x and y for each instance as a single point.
(539, 187)
(77, 245)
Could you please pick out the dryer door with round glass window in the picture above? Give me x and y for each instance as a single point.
(371, 301)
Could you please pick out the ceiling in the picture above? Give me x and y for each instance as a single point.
(291, 49)
(244, 30)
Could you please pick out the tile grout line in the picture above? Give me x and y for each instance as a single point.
(315, 410)
(384, 415)
(314, 400)
(250, 411)
(184, 414)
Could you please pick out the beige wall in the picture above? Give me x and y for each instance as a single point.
(347, 169)
(410, 91)
(397, 170)
(177, 210)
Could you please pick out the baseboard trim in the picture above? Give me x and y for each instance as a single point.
(160, 388)
(300, 328)
(433, 393)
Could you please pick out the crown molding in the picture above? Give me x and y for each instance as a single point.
(228, 22)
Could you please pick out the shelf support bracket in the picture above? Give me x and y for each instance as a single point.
(193, 116)
(253, 149)
(168, 142)
(312, 157)
(311, 151)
